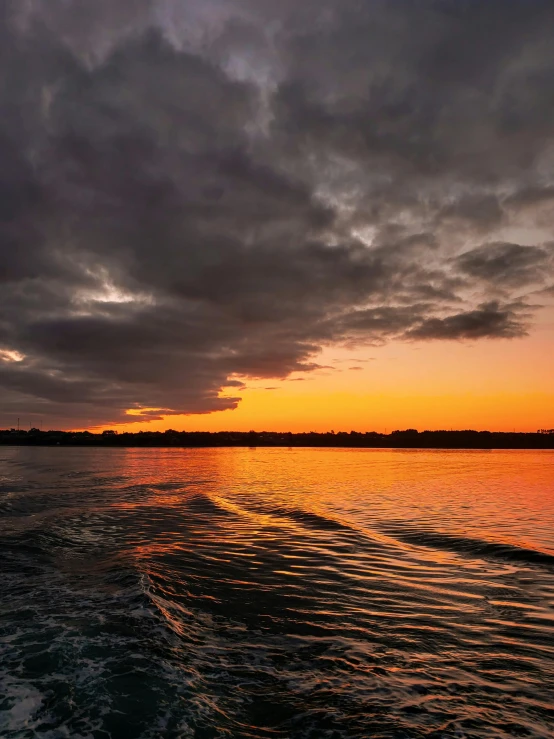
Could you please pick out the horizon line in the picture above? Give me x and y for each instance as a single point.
(332, 432)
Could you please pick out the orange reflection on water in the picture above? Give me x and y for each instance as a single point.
(399, 578)
(394, 498)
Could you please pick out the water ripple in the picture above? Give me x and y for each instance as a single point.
(266, 593)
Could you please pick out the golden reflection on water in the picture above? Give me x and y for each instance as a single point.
(500, 496)
(355, 593)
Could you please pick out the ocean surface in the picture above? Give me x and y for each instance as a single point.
(276, 593)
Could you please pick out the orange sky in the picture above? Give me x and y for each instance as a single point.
(494, 384)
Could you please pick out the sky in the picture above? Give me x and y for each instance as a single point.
(244, 214)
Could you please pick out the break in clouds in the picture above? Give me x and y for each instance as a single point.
(195, 192)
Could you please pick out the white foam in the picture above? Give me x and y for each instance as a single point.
(26, 701)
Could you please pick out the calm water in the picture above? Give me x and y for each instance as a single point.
(275, 593)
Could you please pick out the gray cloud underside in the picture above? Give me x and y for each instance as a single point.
(192, 193)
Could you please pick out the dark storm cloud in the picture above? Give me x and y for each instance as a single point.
(193, 193)
(482, 211)
(530, 197)
(509, 265)
(486, 321)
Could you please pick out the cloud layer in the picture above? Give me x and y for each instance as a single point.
(193, 193)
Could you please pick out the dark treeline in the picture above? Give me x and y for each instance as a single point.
(410, 438)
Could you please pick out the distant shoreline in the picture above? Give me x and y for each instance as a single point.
(408, 439)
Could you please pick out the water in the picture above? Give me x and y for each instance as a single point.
(276, 593)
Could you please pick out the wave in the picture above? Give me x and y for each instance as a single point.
(217, 601)
(468, 546)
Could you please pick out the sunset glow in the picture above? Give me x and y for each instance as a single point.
(394, 387)
(276, 369)
(307, 216)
